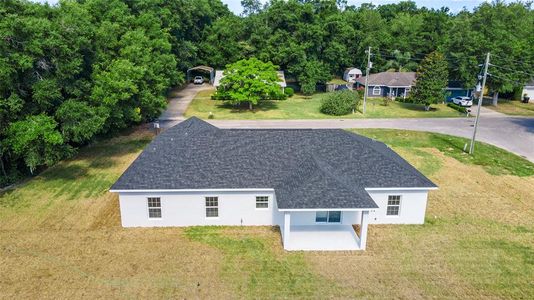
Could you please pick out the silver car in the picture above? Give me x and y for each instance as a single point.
(198, 80)
(463, 101)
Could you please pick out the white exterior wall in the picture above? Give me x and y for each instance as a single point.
(239, 208)
(412, 207)
(188, 209)
(529, 90)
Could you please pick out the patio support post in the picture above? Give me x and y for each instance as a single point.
(363, 229)
(287, 226)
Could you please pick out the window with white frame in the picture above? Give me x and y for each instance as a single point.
(154, 207)
(262, 202)
(212, 207)
(393, 207)
(376, 90)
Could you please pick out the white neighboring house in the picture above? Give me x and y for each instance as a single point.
(219, 74)
(315, 184)
(351, 74)
(529, 90)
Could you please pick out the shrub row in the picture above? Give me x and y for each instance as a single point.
(457, 107)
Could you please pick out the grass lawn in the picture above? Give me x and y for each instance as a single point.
(61, 237)
(300, 107)
(516, 108)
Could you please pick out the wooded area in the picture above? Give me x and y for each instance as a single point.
(86, 68)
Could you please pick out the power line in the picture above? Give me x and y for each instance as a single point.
(513, 70)
(517, 61)
(384, 54)
(505, 79)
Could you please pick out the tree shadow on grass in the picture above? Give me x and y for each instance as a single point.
(416, 107)
(244, 108)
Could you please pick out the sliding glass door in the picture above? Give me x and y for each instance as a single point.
(328, 217)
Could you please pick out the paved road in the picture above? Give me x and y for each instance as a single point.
(515, 134)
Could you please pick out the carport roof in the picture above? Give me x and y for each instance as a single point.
(307, 168)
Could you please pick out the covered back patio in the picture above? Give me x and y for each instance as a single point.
(324, 230)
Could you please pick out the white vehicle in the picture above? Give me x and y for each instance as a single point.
(463, 101)
(198, 80)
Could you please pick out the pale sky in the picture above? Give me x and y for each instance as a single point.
(454, 5)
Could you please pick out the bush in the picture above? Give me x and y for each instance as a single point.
(340, 103)
(457, 107)
(289, 92)
(308, 88)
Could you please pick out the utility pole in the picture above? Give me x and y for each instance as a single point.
(366, 78)
(480, 98)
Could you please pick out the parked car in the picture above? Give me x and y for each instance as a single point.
(198, 80)
(463, 101)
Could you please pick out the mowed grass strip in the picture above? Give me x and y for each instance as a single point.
(64, 239)
(301, 107)
(495, 160)
(515, 108)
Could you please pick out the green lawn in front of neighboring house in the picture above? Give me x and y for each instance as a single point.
(514, 107)
(302, 107)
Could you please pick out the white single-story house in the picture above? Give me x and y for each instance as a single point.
(322, 187)
(528, 89)
(219, 74)
(388, 84)
(351, 74)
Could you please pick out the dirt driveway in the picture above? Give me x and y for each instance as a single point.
(179, 100)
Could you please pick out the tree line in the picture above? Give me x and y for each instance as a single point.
(85, 68)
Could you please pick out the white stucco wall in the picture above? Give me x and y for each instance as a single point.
(412, 207)
(188, 209)
(239, 208)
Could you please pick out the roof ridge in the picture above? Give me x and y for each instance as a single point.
(399, 161)
(326, 168)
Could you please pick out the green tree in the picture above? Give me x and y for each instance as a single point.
(400, 62)
(310, 73)
(432, 77)
(250, 81)
(37, 141)
(504, 30)
(79, 122)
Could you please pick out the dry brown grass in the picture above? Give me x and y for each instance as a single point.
(428, 261)
(61, 239)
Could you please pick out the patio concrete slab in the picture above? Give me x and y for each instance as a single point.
(323, 238)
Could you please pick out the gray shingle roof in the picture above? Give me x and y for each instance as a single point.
(390, 79)
(308, 168)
